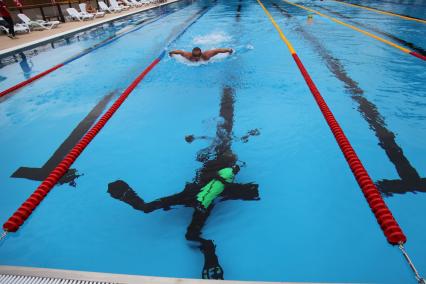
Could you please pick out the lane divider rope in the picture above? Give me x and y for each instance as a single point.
(403, 49)
(25, 210)
(30, 80)
(405, 17)
(419, 279)
(105, 42)
(3, 235)
(384, 217)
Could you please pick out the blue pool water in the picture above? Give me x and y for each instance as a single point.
(311, 222)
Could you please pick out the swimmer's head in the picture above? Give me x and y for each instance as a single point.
(196, 52)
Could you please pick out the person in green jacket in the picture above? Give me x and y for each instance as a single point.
(215, 187)
(202, 199)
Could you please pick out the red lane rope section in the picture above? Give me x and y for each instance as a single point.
(383, 215)
(26, 82)
(25, 210)
(418, 55)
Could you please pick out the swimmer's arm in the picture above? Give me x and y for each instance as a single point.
(247, 191)
(185, 54)
(210, 53)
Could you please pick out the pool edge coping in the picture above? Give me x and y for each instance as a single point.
(10, 51)
(115, 278)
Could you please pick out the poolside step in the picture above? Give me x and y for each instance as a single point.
(21, 275)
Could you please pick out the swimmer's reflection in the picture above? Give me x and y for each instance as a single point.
(26, 65)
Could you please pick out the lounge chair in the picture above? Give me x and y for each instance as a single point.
(38, 24)
(115, 5)
(132, 3)
(105, 8)
(145, 2)
(84, 11)
(76, 15)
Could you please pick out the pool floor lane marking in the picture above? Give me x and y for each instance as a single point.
(384, 217)
(103, 43)
(403, 49)
(410, 180)
(407, 44)
(41, 173)
(405, 17)
(25, 210)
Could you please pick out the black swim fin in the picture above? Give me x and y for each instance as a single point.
(212, 268)
(122, 191)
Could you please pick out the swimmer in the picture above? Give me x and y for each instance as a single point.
(197, 54)
(310, 19)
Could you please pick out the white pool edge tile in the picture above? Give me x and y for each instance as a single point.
(110, 277)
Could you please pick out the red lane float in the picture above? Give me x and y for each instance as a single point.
(25, 210)
(418, 55)
(383, 215)
(26, 82)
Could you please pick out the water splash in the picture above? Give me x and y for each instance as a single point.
(212, 39)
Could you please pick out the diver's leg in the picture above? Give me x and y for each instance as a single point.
(212, 268)
(185, 197)
(122, 191)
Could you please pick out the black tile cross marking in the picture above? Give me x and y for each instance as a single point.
(41, 173)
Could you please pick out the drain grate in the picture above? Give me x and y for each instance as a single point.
(15, 279)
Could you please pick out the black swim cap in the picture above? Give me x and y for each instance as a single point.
(196, 52)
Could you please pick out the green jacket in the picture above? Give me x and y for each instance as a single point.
(215, 187)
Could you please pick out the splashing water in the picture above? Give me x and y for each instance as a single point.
(212, 39)
(217, 58)
(217, 39)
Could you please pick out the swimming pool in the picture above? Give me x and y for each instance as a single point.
(311, 222)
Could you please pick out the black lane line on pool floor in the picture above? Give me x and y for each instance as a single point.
(391, 36)
(215, 157)
(75, 136)
(381, 10)
(400, 3)
(410, 179)
(238, 15)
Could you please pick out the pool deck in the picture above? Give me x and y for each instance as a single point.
(18, 274)
(25, 40)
